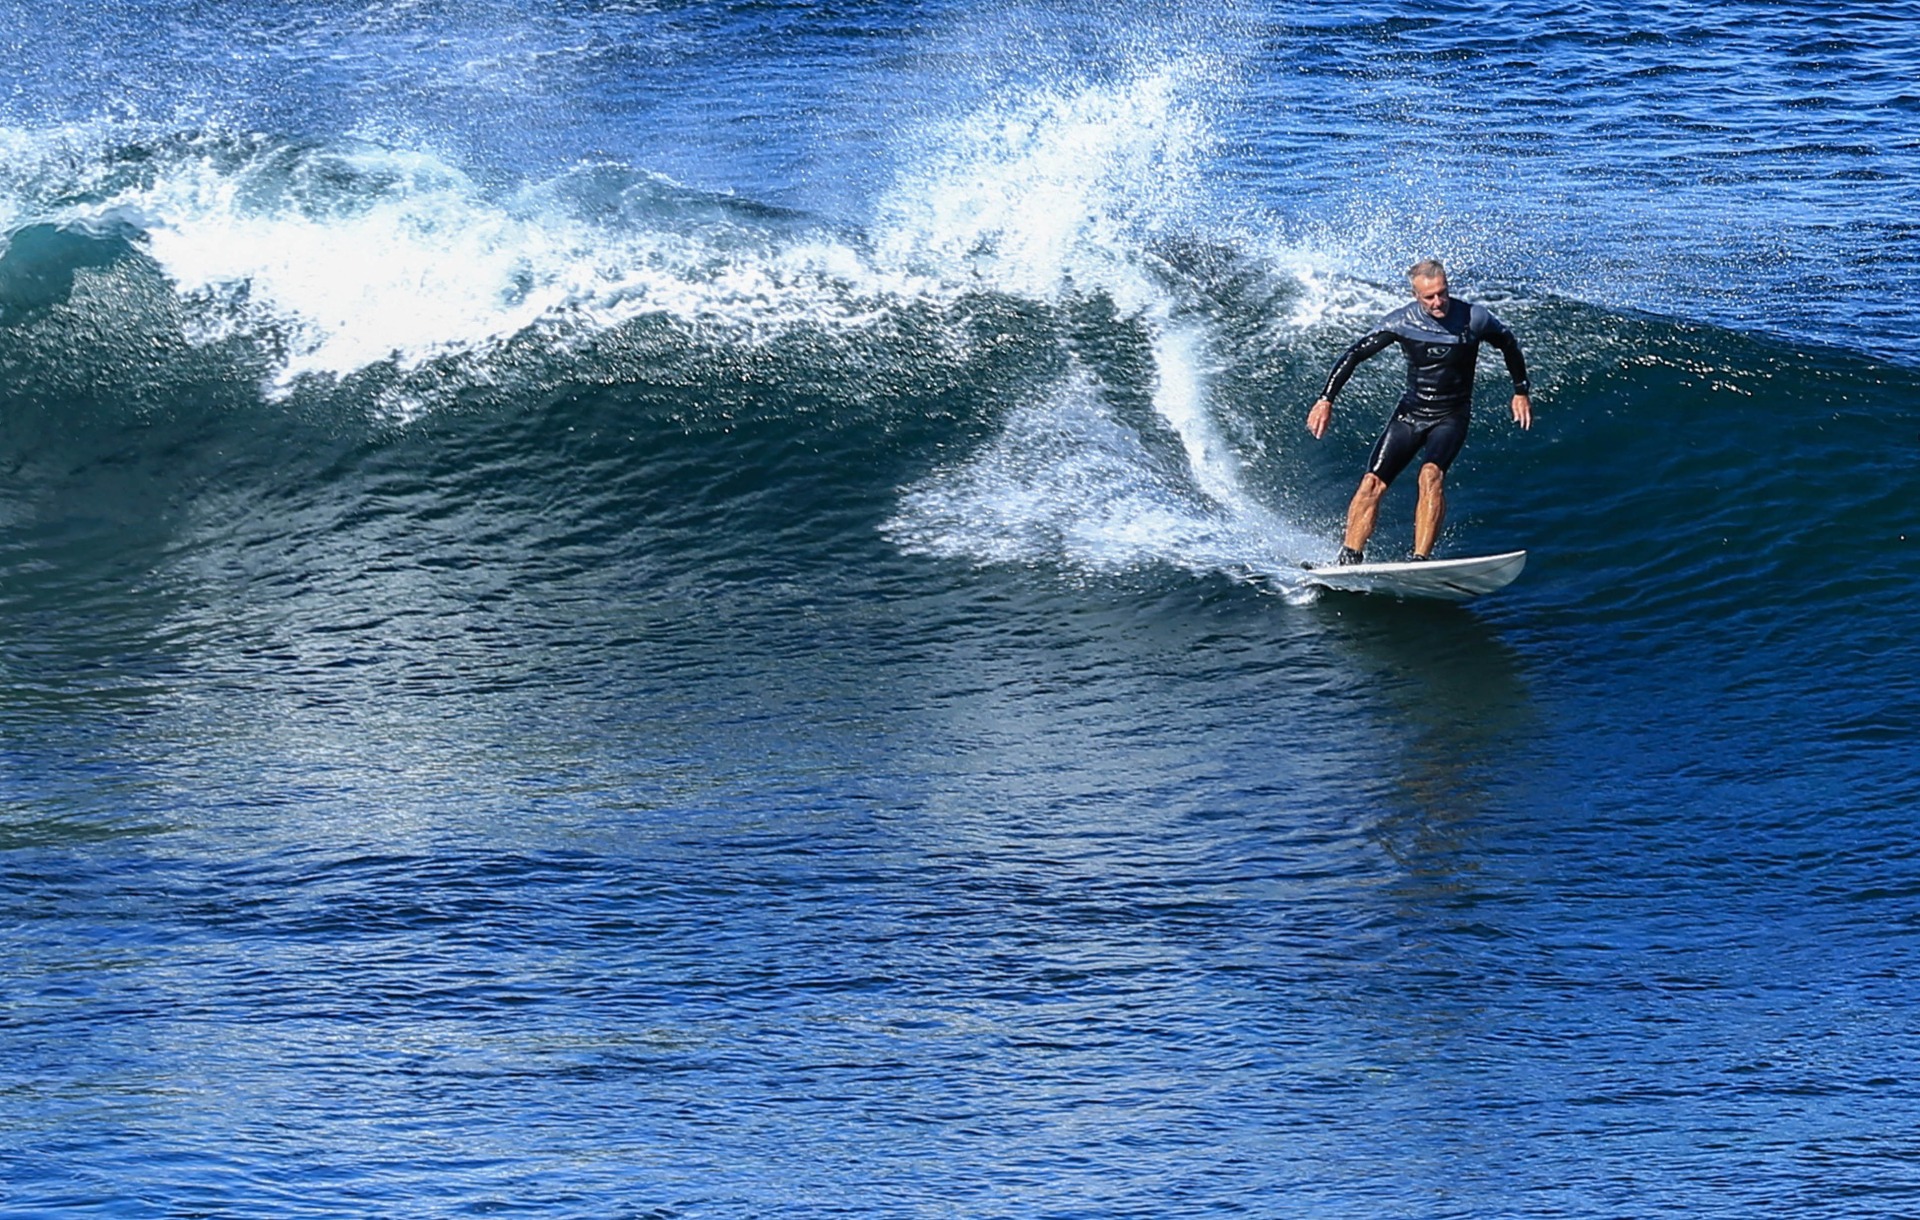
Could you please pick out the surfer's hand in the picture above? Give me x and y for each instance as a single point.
(1522, 411)
(1320, 417)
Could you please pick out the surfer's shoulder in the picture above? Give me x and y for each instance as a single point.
(1407, 319)
(1482, 321)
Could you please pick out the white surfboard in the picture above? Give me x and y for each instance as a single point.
(1453, 580)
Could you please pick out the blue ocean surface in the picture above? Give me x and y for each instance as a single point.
(650, 609)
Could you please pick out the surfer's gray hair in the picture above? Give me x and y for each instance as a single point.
(1426, 269)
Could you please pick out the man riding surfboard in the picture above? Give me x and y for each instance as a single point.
(1441, 339)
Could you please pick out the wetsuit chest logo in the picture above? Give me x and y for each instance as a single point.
(1437, 352)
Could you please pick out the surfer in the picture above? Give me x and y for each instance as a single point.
(1441, 338)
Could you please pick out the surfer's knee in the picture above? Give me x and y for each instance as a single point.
(1372, 487)
(1432, 477)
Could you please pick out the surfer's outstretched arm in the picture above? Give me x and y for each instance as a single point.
(1365, 347)
(1509, 346)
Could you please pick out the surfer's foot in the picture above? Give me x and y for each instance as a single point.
(1418, 558)
(1348, 556)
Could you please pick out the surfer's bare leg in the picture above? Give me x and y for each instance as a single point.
(1363, 510)
(1430, 511)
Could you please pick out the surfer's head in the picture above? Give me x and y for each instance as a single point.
(1429, 280)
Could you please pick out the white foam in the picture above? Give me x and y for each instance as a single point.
(406, 278)
(341, 260)
(1067, 485)
(1328, 296)
(412, 262)
(1063, 481)
(1058, 195)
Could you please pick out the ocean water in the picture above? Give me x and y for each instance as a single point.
(648, 609)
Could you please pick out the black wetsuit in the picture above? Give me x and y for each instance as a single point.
(1441, 354)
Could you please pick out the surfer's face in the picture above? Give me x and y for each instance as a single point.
(1431, 292)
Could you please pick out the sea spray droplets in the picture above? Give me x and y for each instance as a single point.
(1064, 480)
(1053, 191)
(1058, 196)
(1069, 485)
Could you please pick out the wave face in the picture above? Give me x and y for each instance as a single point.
(1023, 359)
(692, 609)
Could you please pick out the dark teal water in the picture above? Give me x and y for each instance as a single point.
(688, 610)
